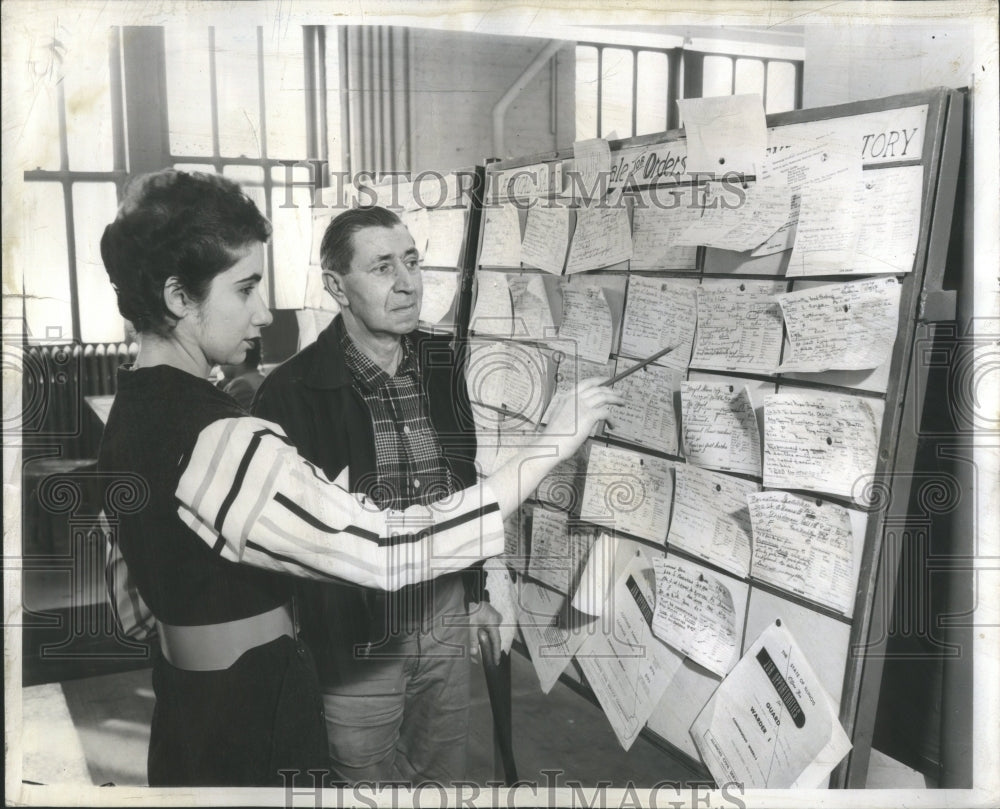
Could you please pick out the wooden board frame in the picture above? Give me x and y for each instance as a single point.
(923, 302)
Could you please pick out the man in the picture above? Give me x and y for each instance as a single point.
(377, 396)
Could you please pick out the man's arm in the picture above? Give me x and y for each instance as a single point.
(253, 499)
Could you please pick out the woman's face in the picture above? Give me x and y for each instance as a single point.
(233, 312)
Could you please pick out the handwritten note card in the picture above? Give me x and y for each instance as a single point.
(771, 724)
(445, 237)
(821, 442)
(711, 518)
(494, 311)
(546, 237)
(738, 329)
(509, 376)
(659, 216)
(724, 133)
(501, 236)
(570, 369)
(889, 220)
(659, 313)
(586, 322)
(544, 619)
(826, 233)
(602, 237)
(695, 614)
(532, 315)
(841, 326)
(738, 217)
(592, 165)
(648, 416)
(814, 159)
(719, 427)
(628, 491)
(805, 547)
(627, 667)
(558, 550)
(438, 299)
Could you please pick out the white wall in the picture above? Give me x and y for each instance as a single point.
(853, 62)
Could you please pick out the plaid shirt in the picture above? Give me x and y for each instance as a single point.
(410, 464)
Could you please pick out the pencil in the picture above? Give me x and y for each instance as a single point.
(638, 367)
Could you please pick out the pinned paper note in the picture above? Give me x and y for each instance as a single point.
(445, 237)
(724, 133)
(841, 326)
(648, 416)
(798, 159)
(626, 666)
(559, 550)
(738, 216)
(494, 310)
(695, 614)
(595, 580)
(586, 322)
(659, 217)
(771, 724)
(439, 290)
(592, 166)
(532, 314)
(823, 442)
(711, 518)
(508, 376)
(628, 491)
(660, 312)
(549, 632)
(546, 238)
(719, 427)
(602, 237)
(804, 546)
(501, 236)
(739, 327)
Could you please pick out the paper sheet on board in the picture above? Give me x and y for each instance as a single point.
(771, 724)
(724, 133)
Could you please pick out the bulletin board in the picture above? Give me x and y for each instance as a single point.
(758, 457)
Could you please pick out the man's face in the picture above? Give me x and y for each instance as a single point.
(383, 289)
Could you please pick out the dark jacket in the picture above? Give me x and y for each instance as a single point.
(311, 396)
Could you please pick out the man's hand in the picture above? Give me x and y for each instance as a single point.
(484, 616)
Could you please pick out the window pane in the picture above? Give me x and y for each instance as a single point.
(749, 76)
(45, 260)
(189, 99)
(651, 116)
(94, 206)
(38, 142)
(333, 120)
(718, 77)
(88, 102)
(780, 87)
(616, 93)
(239, 104)
(586, 93)
(284, 91)
(292, 241)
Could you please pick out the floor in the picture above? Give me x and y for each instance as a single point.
(95, 730)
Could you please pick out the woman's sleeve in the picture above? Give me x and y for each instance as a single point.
(133, 617)
(247, 493)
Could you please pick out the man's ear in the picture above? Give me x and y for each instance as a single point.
(175, 297)
(333, 282)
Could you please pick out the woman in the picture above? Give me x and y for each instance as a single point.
(231, 506)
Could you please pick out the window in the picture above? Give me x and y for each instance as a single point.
(625, 91)
(73, 144)
(237, 101)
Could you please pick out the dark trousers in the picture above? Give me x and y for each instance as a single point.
(240, 726)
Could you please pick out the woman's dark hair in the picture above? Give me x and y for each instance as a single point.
(192, 226)
(337, 248)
